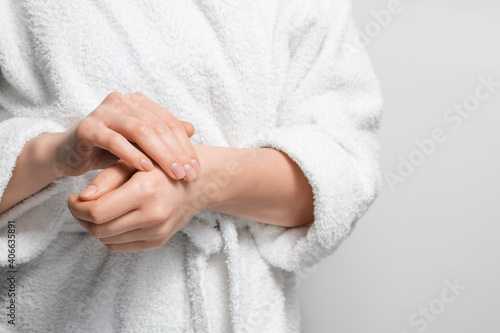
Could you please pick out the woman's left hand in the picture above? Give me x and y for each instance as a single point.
(131, 210)
(134, 210)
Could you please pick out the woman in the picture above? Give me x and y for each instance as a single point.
(176, 234)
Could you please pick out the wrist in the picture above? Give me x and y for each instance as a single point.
(219, 181)
(43, 148)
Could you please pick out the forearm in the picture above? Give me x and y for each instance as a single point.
(264, 185)
(33, 171)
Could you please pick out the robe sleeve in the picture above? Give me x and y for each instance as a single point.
(33, 221)
(328, 121)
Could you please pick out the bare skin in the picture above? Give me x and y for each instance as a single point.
(138, 201)
(97, 141)
(133, 210)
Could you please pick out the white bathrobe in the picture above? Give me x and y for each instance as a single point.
(285, 74)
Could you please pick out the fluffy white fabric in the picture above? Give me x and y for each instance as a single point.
(285, 74)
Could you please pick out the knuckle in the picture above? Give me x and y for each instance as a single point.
(137, 96)
(157, 243)
(176, 125)
(103, 179)
(96, 230)
(164, 230)
(145, 188)
(151, 233)
(71, 201)
(166, 156)
(142, 129)
(179, 155)
(159, 127)
(183, 157)
(96, 215)
(99, 112)
(115, 97)
(111, 140)
(158, 215)
(84, 127)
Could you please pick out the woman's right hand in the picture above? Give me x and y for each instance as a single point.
(129, 127)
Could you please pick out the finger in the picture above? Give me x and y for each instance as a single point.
(106, 208)
(85, 224)
(188, 127)
(123, 225)
(118, 145)
(187, 147)
(182, 152)
(148, 104)
(89, 226)
(150, 233)
(180, 147)
(107, 180)
(175, 126)
(158, 147)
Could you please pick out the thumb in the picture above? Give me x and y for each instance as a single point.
(108, 180)
(188, 127)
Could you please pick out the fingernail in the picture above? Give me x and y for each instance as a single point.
(88, 191)
(196, 165)
(146, 165)
(190, 173)
(177, 171)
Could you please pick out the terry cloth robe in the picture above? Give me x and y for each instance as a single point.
(285, 74)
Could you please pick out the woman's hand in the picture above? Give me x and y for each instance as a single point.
(130, 210)
(123, 126)
(132, 128)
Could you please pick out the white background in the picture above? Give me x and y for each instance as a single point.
(442, 221)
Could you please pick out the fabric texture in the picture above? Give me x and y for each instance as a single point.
(285, 74)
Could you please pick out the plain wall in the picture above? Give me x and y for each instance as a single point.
(438, 223)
